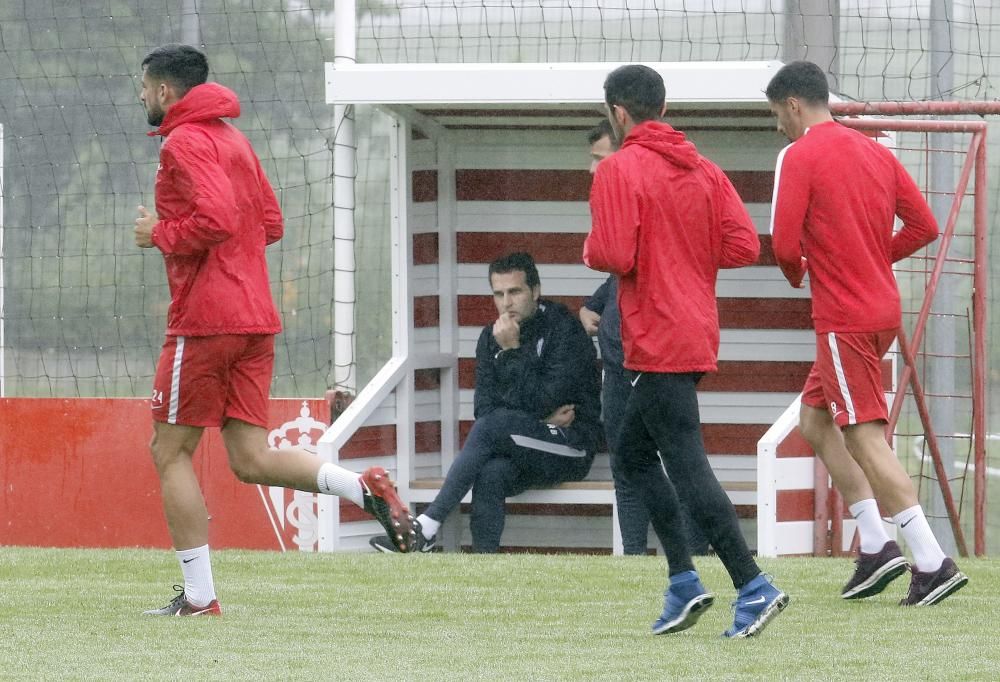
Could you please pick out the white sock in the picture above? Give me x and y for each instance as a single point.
(335, 480)
(927, 554)
(870, 528)
(428, 526)
(199, 587)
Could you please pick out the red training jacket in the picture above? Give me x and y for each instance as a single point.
(665, 219)
(216, 212)
(836, 192)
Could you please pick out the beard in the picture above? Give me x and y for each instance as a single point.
(154, 117)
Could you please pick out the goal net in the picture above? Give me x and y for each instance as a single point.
(83, 309)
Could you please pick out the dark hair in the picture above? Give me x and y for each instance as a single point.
(516, 261)
(182, 66)
(803, 80)
(602, 129)
(637, 88)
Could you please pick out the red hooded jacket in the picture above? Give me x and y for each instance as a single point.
(665, 219)
(216, 212)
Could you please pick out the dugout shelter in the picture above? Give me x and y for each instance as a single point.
(493, 158)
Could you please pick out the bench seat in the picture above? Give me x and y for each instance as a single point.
(424, 490)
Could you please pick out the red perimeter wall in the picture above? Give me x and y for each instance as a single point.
(77, 473)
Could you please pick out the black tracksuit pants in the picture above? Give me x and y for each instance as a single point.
(504, 455)
(661, 415)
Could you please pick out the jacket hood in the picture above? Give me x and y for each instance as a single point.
(201, 103)
(665, 141)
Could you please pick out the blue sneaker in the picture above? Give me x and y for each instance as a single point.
(757, 603)
(684, 602)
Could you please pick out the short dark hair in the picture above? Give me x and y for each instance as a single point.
(516, 261)
(602, 129)
(803, 80)
(182, 66)
(637, 88)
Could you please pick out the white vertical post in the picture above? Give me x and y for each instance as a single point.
(344, 172)
(402, 300)
(448, 297)
(345, 152)
(3, 312)
(190, 23)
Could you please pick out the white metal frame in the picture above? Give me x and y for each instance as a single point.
(705, 83)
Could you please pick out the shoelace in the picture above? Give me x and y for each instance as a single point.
(178, 600)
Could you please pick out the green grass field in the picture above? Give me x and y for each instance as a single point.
(75, 614)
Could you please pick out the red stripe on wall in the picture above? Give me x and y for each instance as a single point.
(754, 187)
(376, 441)
(732, 439)
(794, 445)
(733, 376)
(424, 185)
(765, 313)
(795, 505)
(479, 311)
(370, 441)
(425, 248)
(544, 247)
(766, 251)
(757, 376)
(734, 313)
(426, 311)
(495, 184)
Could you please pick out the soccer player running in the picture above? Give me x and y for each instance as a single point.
(665, 220)
(216, 213)
(836, 195)
(600, 318)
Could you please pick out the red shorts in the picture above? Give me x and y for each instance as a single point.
(847, 376)
(204, 380)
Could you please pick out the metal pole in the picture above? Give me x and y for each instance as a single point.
(190, 23)
(812, 31)
(943, 329)
(980, 284)
(950, 108)
(345, 153)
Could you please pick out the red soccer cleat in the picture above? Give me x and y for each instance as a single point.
(382, 502)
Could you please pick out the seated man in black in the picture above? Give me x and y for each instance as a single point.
(537, 408)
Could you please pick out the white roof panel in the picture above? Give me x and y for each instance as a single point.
(463, 85)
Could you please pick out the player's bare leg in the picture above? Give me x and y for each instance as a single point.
(890, 482)
(826, 439)
(254, 462)
(880, 560)
(935, 576)
(172, 448)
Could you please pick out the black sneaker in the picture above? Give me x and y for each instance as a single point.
(873, 572)
(420, 544)
(382, 502)
(180, 606)
(927, 589)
